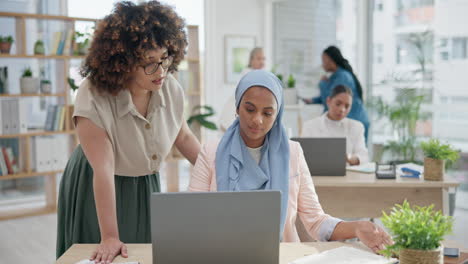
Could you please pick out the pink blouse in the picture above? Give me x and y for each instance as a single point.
(303, 200)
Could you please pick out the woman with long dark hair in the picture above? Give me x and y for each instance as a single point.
(342, 74)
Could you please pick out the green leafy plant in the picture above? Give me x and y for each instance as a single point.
(27, 73)
(45, 81)
(413, 88)
(291, 81)
(201, 117)
(72, 84)
(280, 76)
(82, 42)
(419, 228)
(403, 115)
(434, 149)
(39, 47)
(8, 39)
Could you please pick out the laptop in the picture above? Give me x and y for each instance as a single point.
(216, 227)
(324, 156)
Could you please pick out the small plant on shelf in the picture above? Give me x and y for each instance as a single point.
(46, 86)
(27, 73)
(291, 81)
(82, 41)
(39, 48)
(28, 83)
(5, 44)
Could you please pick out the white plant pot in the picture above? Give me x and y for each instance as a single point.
(290, 96)
(29, 85)
(46, 88)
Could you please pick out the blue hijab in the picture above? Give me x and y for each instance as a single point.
(236, 170)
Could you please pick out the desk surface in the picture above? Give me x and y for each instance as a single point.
(288, 251)
(358, 179)
(142, 252)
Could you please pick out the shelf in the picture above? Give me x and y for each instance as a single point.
(33, 95)
(37, 133)
(41, 16)
(22, 56)
(28, 175)
(6, 215)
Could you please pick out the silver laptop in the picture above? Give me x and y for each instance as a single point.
(216, 227)
(324, 156)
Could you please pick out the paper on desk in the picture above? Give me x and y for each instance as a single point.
(348, 255)
(364, 168)
(87, 261)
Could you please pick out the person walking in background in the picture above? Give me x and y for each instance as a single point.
(342, 74)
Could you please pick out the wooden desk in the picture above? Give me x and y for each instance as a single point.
(142, 252)
(362, 195)
(288, 252)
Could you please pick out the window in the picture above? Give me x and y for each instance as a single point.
(443, 47)
(378, 53)
(378, 6)
(459, 48)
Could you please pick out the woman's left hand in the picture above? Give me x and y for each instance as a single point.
(373, 236)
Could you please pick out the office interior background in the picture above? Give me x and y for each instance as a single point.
(401, 50)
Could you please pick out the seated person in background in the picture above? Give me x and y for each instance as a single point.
(334, 123)
(256, 154)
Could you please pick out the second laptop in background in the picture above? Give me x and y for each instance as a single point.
(324, 156)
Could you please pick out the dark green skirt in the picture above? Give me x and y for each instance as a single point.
(77, 220)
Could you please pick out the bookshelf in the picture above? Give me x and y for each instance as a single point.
(189, 77)
(63, 98)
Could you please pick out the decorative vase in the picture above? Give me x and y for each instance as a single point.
(433, 169)
(46, 88)
(290, 96)
(39, 48)
(29, 85)
(415, 256)
(5, 47)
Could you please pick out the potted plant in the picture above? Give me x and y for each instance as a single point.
(81, 43)
(5, 44)
(46, 86)
(290, 93)
(200, 118)
(417, 233)
(435, 155)
(28, 83)
(39, 48)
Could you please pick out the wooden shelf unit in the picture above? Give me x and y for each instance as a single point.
(24, 149)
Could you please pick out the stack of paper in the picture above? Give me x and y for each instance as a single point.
(345, 255)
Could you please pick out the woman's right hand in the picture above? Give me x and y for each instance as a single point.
(108, 249)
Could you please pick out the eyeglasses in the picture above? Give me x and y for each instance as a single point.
(153, 67)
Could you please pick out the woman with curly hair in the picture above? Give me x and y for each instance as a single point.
(128, 115)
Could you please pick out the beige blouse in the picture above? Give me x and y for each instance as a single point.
(140, 144)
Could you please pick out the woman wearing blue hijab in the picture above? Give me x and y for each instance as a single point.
(256, 154)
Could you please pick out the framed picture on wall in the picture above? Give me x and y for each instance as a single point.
(236, 56)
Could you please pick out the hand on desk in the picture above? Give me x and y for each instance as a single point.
(108, 250)
(352, 160)
(372, 236)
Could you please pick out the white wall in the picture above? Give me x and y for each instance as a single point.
(225, 17)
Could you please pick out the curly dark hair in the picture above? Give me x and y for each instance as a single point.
(121, 39)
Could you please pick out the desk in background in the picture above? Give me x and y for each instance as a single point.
(361, 195)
